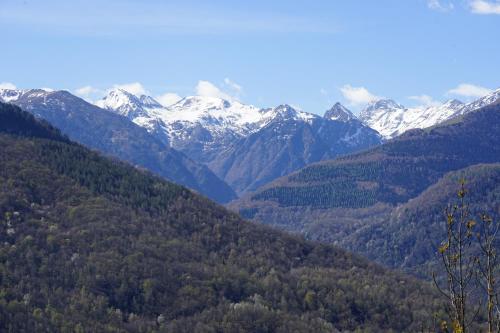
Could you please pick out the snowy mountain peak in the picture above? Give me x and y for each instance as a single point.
(124, 103)
(203, 102)
(340, 113)
(285, 112)
(385, 104)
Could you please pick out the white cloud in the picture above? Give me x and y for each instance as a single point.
(168, 99)
(425, 100)
(357, 95)
(469, 90)
(208, 89)
(134, 88)
(485, 7)
(440, 6)
(7, 85)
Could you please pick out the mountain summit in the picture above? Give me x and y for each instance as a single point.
(339, 112)
(126, 104)
(381, 104)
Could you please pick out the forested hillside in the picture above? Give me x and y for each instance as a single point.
(410, 236)
(92, 244)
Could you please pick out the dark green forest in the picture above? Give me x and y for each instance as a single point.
(89, 244)
(409, 237)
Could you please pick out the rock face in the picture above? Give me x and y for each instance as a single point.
(392, 119)
(117, 136)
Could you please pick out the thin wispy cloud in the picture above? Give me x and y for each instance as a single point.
(118, 18)
(484, 7)
(440, 5)
(233, 85)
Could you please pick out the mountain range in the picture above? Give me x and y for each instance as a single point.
(344, 200)
(224, 148)
(242, 144)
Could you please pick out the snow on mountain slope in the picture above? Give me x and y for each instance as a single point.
(126, 104)
(13, 95)
(198, 125)
(384, 116)
(214, 114)
(391, 119)
(8, 95)
(481, 102)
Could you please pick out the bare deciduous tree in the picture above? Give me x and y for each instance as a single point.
(459, 264)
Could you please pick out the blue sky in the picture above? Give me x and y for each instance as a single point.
(306, 53)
